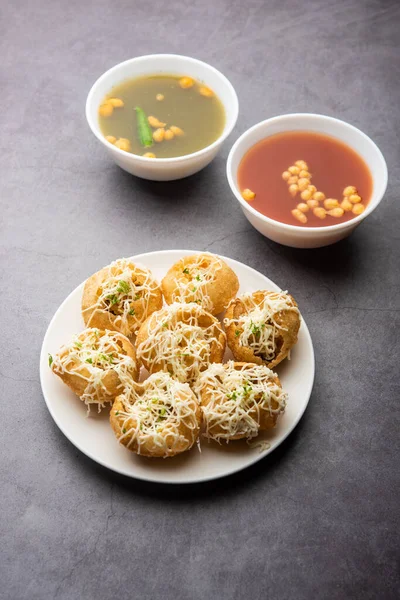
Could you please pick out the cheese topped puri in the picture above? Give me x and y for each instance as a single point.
(239, 399)
(159, 417)
(95, 365)
(258, 326)
(120, 296)
(181, 339)
(193, 285)
(201, 278)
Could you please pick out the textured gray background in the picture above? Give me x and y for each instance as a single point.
(315, 520)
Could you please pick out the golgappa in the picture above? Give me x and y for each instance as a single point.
(157, 418)
(96, 365)
(238, 400)
(182, 339)
(202, 278)
(262, 327)
(120, 297)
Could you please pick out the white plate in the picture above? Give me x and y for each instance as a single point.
(93, 435)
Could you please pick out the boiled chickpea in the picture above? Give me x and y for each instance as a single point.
(355, 199)
(305, 174)
(358, 209)
(160, 97)
(299, 215)
(303, 184)
(349, 190)
(186, 82)
(330, 203)
(293, 189)
(319, 212)
(106, 110)
(116, 102)
(303, 207)
(177, 130)
(169, 135)
(154, 122)
(123, 144)
(320, 196)
(301, 164)
(285, 175)
(311, 188)
(294, 170)
(346, 205)
(248, 195)
(111, 139)
(306, 195)
(159, 134)
(292, 179)
(312, 203)
(336, 212)
(205, 91)
(149, 155)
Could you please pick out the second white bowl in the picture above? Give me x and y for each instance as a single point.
(163, 169)
(308, 237)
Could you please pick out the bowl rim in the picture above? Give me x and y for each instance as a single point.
(297, 228)
(145, 160)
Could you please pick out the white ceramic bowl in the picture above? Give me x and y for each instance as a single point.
(163, 169)
(308, 237)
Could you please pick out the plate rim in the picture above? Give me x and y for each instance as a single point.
(256, 458)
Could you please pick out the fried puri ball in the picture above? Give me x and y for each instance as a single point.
(120, 297)
(158, 418)
(262, 327)
(182, 339)
(202, 278)
(238, 400)
(96, 365)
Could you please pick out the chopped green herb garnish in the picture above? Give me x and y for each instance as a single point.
(165, 325)
(186, 271)
(123, 287)
(194, 289)
(232, 396)
(89, 360)
(124, 430)
(137, 296)
(131, 312)
(237, 332)
(113, 298)
(163, 411)
(78, 344)
(50, 360)
(198, 277)
(254, 328)
(117, 413)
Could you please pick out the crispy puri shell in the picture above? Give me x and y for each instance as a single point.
(148, 447)
(220, 290)
(289, 320)
(94, 316)
(111, 381)
(204, 320)
(265, 419)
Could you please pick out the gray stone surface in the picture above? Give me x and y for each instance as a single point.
(315, 520)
